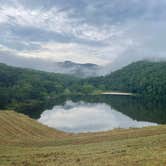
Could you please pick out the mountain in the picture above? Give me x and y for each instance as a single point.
(146, 78)
(31, 90)
(66, 67)
(27, 90)
(77, 69)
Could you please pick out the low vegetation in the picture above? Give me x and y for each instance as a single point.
(25, 142)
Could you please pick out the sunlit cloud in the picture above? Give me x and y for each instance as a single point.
(62, 51)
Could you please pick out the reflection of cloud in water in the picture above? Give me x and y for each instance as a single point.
(87, 117)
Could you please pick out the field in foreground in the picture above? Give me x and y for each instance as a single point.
(25, 142)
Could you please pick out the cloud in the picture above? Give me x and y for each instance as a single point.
(72, 51)
(53, 20)
(84, 31)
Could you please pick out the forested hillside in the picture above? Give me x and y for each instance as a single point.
(24, 87)
(145, 78)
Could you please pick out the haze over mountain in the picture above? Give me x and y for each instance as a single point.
(112, 33)
(66, 67)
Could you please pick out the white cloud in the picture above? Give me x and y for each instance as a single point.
(89, 34)
(62, 51)
(60, 22)
(53, 20)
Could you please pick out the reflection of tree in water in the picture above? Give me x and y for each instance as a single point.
(34, 110)
(136, 108)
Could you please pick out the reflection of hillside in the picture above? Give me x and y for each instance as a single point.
(135, 108)
(140, 110)
(34, 111)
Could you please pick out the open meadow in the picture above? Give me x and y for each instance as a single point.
(25, 142)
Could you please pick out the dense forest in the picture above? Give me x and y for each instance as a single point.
(144, 78)
(24, 88)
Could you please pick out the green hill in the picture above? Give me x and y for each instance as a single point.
(25, 142)
(25, 89)
(145, 78)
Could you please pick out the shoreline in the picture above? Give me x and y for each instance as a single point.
(117, 93)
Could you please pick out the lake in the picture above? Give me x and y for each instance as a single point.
(101, 113)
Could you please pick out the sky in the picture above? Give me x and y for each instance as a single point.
(84, 31)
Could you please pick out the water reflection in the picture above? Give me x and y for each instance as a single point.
(136, 108)
(87, 117)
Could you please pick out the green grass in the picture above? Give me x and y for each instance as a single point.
(25, 142)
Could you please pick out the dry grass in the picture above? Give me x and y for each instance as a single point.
(15, 127)
(24, 142)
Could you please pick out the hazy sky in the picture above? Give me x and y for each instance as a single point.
(97, 31)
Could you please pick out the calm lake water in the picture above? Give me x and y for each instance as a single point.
(97, 113)
(101, 113)
(87, 117)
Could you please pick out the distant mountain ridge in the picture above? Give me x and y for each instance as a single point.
(66, 67)
(77, 69)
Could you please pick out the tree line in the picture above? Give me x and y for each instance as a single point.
(25, 88)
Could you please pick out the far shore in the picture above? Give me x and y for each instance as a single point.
(117, 93)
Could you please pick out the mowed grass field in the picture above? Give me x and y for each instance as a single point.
(25, 142)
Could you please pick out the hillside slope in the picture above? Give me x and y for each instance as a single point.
(15, 127)
(26, 89)
(144, 77)
(25, 142)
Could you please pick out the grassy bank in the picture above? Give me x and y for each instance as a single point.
(24, 142)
